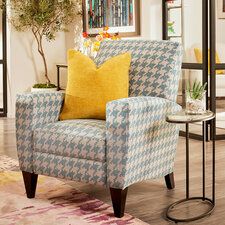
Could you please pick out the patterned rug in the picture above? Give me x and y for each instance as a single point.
(56, 203)
(7, 163)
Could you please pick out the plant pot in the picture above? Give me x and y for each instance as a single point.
(43, 89)
(195, 105)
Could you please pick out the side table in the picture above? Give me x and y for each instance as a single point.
(182, 117)
(59, 66)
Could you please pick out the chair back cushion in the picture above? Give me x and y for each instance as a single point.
(155, 66)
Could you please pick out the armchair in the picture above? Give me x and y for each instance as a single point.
(135, 142)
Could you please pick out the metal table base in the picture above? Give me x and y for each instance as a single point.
(203, 199)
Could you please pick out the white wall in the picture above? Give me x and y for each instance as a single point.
(25, 66)
(151, 17)
(193, 29)
(152, 29)
(221, 39)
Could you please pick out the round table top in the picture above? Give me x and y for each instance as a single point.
(183, 117)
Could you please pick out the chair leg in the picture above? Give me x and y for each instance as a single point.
(169, 179)
(118, 197)
(30, 182)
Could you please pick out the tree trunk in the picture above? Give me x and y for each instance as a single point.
(38, 38)
(44, 60)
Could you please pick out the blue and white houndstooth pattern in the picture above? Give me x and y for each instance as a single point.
(82, 139)
(155, 66)
(133, 144)
(140, 143)
(33, 110)
(82, 170)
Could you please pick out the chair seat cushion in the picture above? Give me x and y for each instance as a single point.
(81, 138)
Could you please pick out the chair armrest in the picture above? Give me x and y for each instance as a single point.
(140, 143)
(32, 111)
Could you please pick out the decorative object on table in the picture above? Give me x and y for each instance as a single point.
(122, 16)
(56, 203)
(107, 152)
(196, 98)
(44, 18)
(90, 88)
(183, 117)
(221, 9)
(91, 46)
(171, 30)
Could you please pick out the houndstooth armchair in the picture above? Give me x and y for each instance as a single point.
(135, 142)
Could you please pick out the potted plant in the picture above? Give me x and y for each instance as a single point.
(196, 98)
(44, 18)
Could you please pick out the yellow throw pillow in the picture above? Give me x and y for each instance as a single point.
(89, 88)
(198, 55)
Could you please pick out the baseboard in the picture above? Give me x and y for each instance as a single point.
(10, 115)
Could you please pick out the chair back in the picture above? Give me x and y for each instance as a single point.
(155, 67)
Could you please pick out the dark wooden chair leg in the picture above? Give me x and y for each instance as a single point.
(30, 182)
(118, 197)
(169, 179)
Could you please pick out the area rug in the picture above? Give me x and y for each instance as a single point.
(56, 203)
(7, 163)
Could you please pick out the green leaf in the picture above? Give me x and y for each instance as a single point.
(44, 86)
(45, 18)
(193, 88)
(197, 90)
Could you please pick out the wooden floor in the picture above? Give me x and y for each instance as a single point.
(148, 200)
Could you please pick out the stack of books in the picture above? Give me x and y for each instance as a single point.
(112, 13)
